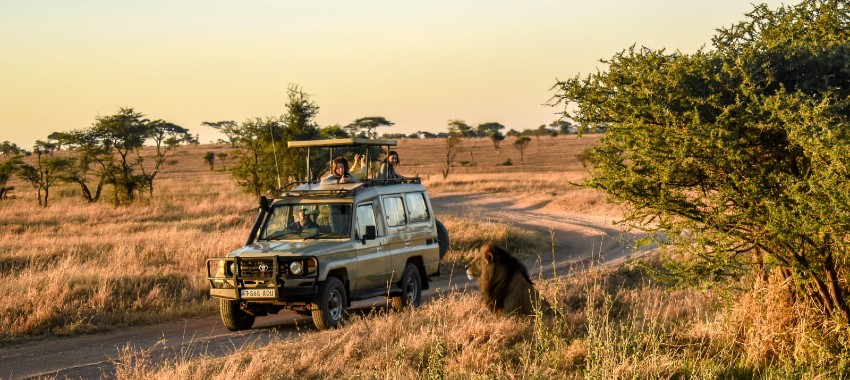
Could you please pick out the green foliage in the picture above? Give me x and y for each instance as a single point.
(737, 155)
(453, 144)
(9, 149)
(520, 144)
(496, 137)
(365, 126)
(47, 171)
(229, 127)
(263, 160)
(112, 148)
(334, 131)
(8, 167)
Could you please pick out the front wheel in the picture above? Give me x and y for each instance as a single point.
(411, 288)
(234, 318)
(329, 311)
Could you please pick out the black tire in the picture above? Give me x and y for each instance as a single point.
(442, 238)
(234, 318)
(330, 304)
(411, 288)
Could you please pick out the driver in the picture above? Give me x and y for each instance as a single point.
(303, 221)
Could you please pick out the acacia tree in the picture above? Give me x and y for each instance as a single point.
(261, 160)
(453, 144)
(520, 144)
(113, 145)
(166, 137)
(496, 137)
(737, 156)
(365, 126)
(46, 171)
(229, 127)
(8, 167)
(254, 168)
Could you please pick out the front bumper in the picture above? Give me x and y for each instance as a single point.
(262, 279)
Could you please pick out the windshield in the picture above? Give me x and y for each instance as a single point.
(307, 221)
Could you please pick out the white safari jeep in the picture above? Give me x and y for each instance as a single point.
(316, 247)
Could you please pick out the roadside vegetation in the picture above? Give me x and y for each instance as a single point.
(609, 322)
(731, 159)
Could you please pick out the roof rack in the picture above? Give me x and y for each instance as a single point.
(340, 143)
(315, 188)
(335, 143)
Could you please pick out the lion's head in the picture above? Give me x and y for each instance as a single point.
(502, 279)
(481, 262)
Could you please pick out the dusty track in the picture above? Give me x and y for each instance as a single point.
(577, 239)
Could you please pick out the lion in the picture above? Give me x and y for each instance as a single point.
(503, 281)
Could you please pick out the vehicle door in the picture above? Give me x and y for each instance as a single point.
(398, 239)
(372, 254)
(420, 229)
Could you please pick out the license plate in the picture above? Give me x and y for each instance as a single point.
(256, 293)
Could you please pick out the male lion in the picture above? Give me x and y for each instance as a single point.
(503, 281)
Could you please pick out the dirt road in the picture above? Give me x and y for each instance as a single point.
(577, 238)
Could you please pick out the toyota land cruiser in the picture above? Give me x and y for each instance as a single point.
(316, 247)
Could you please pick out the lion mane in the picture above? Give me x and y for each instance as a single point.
(503, 281)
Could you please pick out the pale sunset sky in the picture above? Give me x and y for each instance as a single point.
(417, 63)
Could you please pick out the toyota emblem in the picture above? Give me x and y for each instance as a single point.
(263, 267)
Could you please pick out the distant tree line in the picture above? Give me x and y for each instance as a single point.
(106, 155)
(109, 154)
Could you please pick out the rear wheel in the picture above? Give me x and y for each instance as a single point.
(411, 288)
(234, 318)
(330, 304)
(443, 238)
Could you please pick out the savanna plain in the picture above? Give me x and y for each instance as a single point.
(78, 268)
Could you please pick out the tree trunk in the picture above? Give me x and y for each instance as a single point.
(836, 293)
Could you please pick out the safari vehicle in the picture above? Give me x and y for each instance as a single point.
(361, 240)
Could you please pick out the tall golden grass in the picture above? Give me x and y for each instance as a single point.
(75, 267)
(608, 323)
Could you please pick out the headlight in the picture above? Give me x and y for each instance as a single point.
(296, 268)
(232, 269)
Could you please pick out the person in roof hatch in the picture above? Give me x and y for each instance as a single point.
(339, 173)
(388, 167)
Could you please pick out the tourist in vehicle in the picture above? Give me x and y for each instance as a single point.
(304, 221)
(360, 169)
(388, 167)
(340, 172)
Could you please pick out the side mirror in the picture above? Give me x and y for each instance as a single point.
(370, 234)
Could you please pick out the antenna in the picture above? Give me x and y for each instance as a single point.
(274, 152)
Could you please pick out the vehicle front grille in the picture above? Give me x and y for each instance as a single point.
(256, 268)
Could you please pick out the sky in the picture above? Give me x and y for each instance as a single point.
(419, 64)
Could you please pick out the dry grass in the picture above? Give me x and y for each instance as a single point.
(78, 267)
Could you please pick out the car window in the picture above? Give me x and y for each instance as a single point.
(417, 211)
(365, 217)
(394, 211)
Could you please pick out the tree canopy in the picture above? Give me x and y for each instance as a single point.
(736, 154)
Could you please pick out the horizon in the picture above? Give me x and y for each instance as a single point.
(418, 65)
